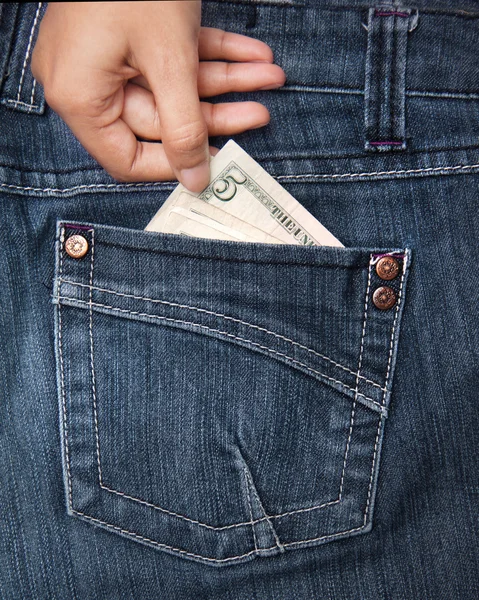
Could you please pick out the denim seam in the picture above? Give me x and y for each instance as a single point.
(27, 56)
(63, 394)
(18, 102)
(205, 558)
(313, 89)
(391, 345)
(229, 335)
(277, 177)
(93, 378)
(266, 516)
(250, 510)
(376, 173)
(351, 423)
(223, 316)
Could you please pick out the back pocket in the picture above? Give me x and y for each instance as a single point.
(220, 400)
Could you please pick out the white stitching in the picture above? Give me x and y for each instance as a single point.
(406, 256)
(15, 103)
(93, 379)
(27, 55)
(221, 528)
(278, 543)
(373, 173)
(98, 186)
(144, 502)
(168, 184)
(230, 335)
(301, 510)
(351, 423)
(226, 317)
(250, 510)
(179, 516)
(366, 511)
(145, 539)
(204, 558)
(33, 92)
(323, 537)
(62, 379)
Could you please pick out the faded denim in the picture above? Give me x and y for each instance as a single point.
(187, 418)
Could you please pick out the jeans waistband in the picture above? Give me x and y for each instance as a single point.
(321, 44)
(445, 6)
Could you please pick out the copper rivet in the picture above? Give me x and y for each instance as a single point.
(76, 246)
(384, 297)
(387, 267)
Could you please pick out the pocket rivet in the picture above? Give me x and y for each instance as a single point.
(384, 297)
(76, 246)
(387, 268)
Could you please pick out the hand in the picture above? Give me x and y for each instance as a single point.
(115, 71)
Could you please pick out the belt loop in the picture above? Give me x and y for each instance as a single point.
(8, 15)
(385, 84)
(20, 90)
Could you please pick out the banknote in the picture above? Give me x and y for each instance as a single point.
(186, 211)
(240, 187)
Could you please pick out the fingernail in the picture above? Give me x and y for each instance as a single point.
(273, 86)
(197, 178)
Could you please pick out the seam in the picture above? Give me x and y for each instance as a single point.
(205, 558)
(27, 55)
(453, 94)
(455, 168)
(391, 346)
(377, 173)
(351, 423)
(223, 527)
(302, 510)
(213, 255)
(226, 317)
(179, 516)
(93, 379)
(95, 186)
(33, 92)
(62, 379)
(229, 335)
(253, 487)
(250, 510)
(324, 537)
(17, 102)
(165, 546)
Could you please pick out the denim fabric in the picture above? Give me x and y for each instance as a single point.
(187, 418)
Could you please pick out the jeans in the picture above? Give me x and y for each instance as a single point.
(188, 418)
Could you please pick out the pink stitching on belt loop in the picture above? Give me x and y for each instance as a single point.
(390, 13)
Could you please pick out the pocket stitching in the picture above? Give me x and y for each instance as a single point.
(380, 407)
(215, 314)
(351, 423)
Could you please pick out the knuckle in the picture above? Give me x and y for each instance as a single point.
(189, 138)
